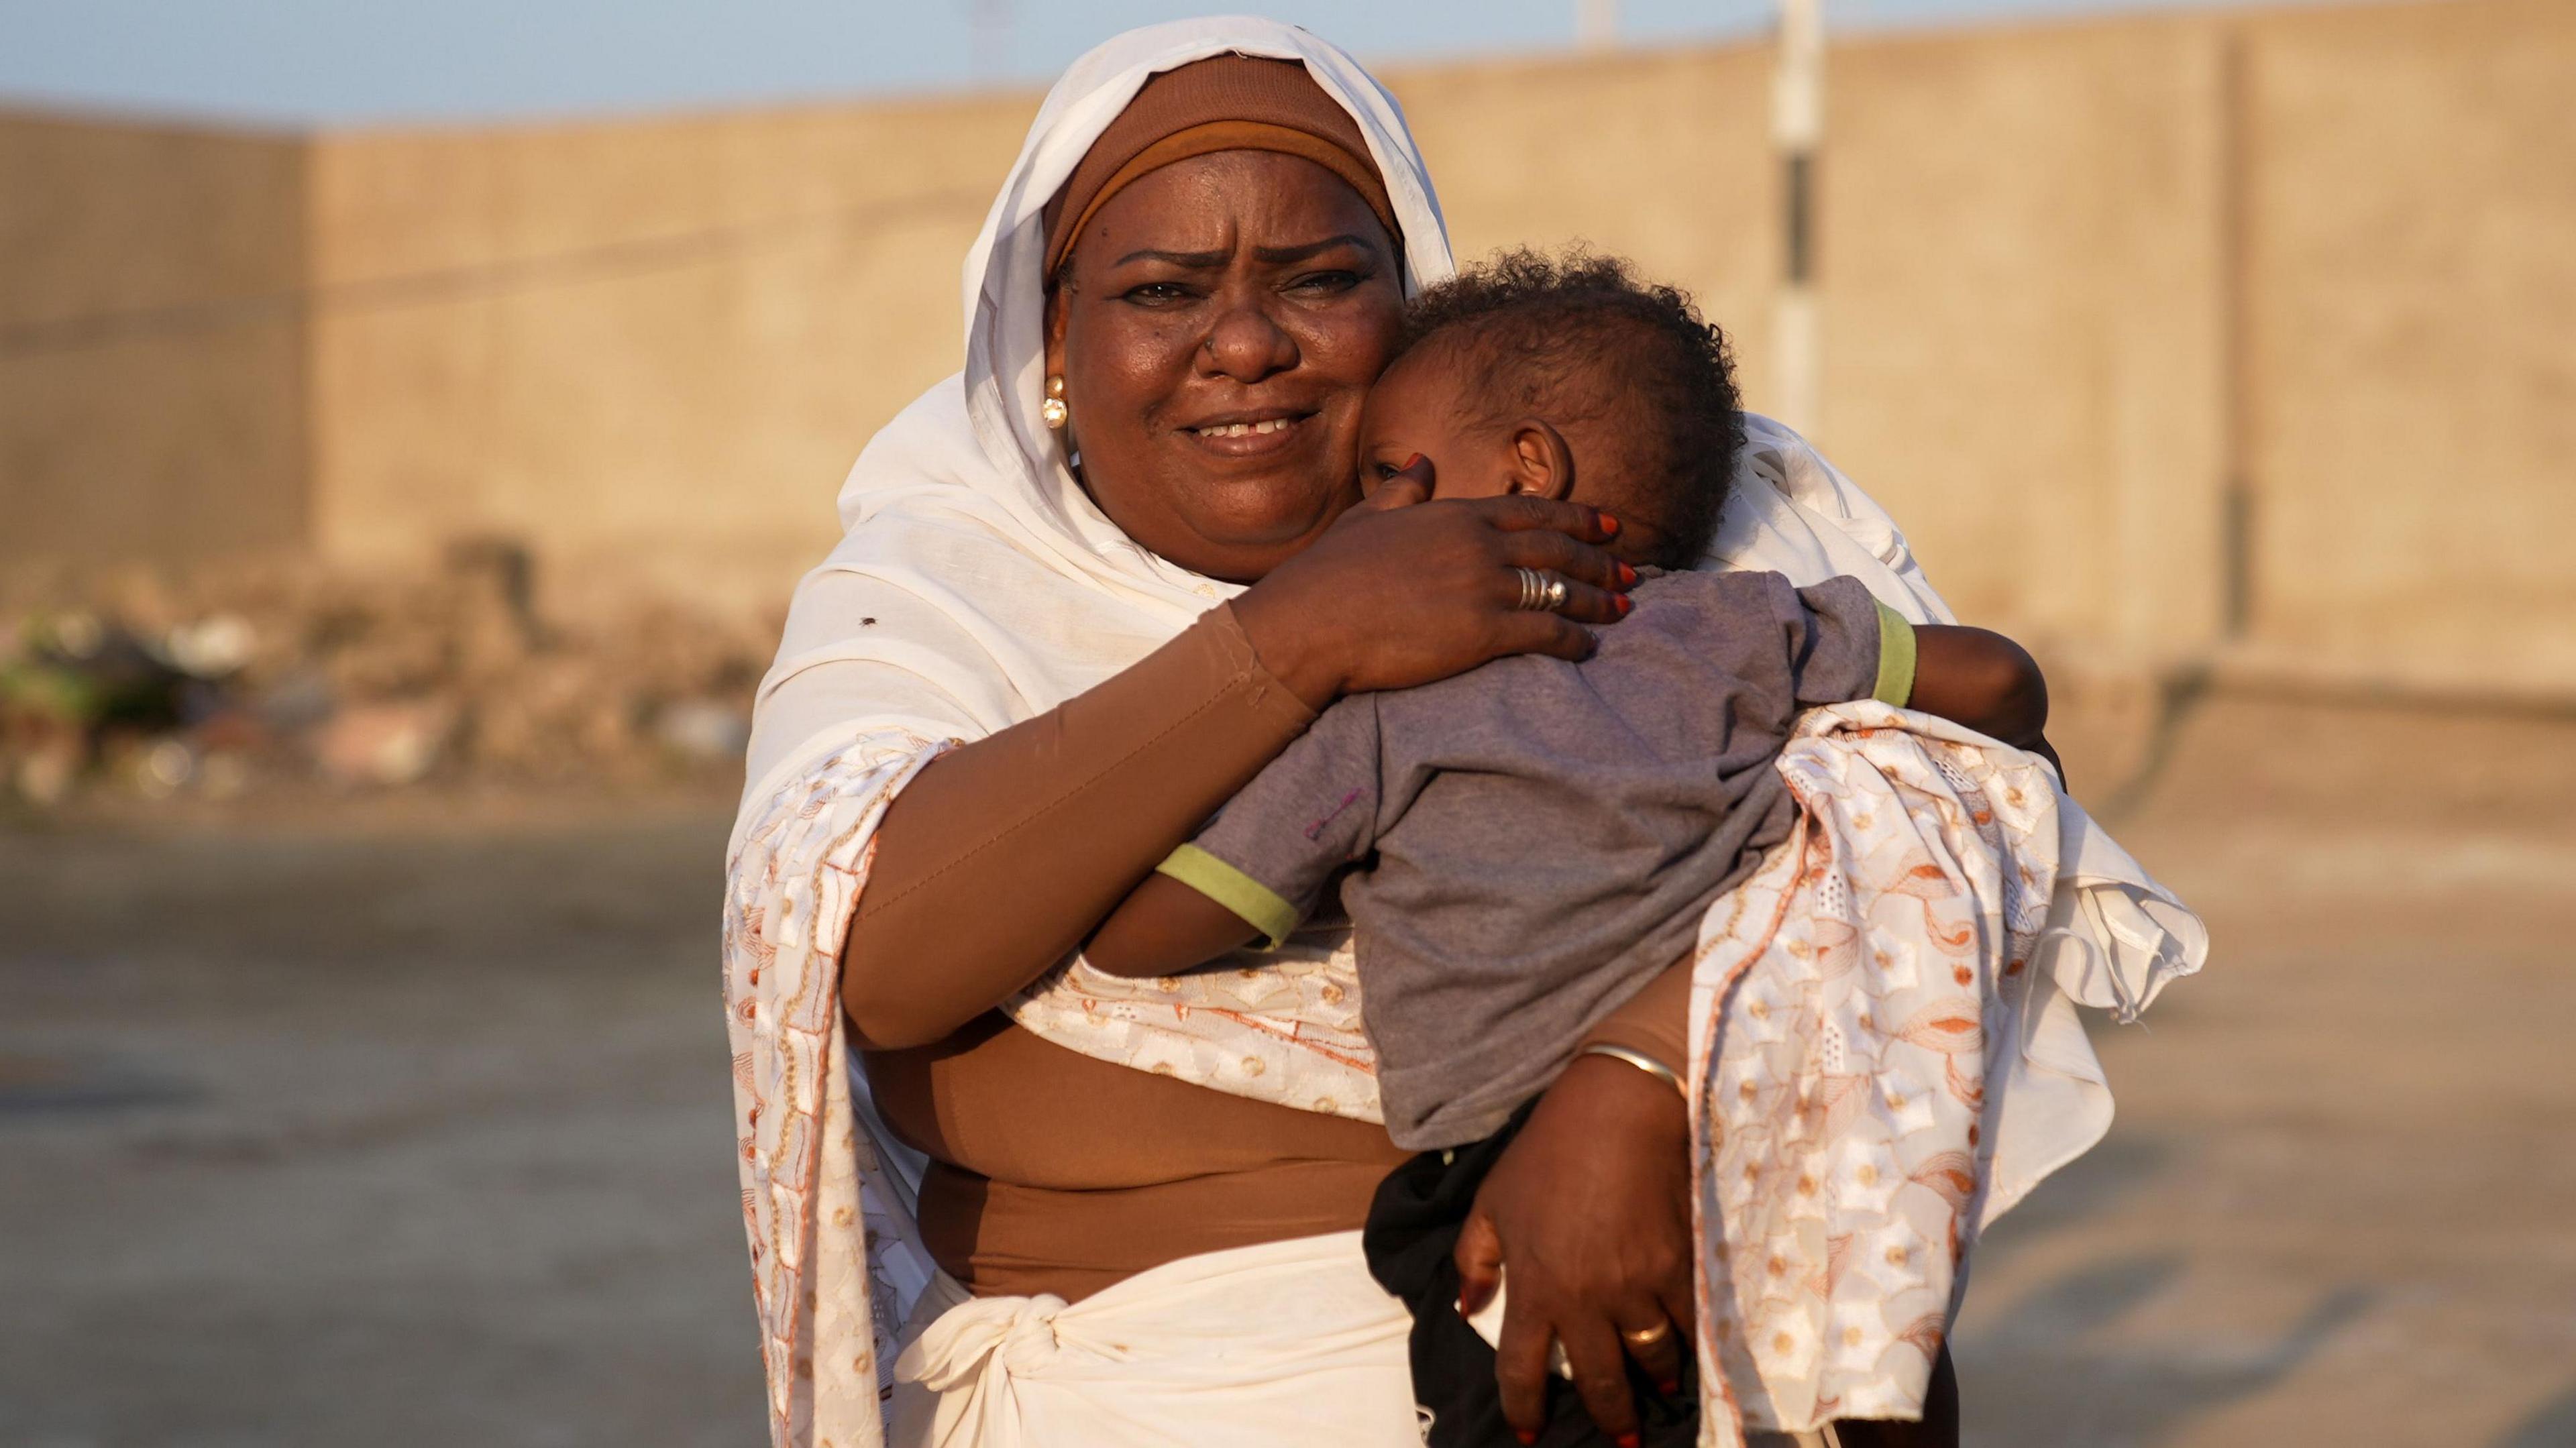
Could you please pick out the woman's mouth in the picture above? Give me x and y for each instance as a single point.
(1247, 437)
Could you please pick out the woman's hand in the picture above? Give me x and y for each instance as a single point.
(1394, 595)
(1589, 1211)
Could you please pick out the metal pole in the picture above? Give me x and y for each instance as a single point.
(1797, 132)
(1596, 24)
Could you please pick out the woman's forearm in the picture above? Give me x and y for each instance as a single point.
(1655, 1022)
(1002, 854)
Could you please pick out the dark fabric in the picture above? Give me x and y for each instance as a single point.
(1413, 1228)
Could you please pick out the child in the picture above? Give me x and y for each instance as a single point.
(1524, 847)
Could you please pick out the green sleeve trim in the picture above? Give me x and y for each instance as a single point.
(1895, 658)
(1258, 904)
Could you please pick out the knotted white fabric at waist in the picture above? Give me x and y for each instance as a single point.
(1286, 1343)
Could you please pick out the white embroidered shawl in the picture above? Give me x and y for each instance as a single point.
(1880, 1062)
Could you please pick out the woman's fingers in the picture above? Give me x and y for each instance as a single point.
(1680, 1309)
(1557, 553)
(1545, 633)
(1520, 1366)
(1658, 1354)
(1403, 488)
(1583, 602)
(1600, 1365)
(1521, 513)
(1479, 1260)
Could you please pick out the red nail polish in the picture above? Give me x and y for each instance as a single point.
(1627, 576)
(1411, 463)
(1624, 602)
(1609, 524)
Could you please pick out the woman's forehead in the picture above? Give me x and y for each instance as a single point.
(1227, 199)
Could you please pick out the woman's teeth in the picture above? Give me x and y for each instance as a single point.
(1248, 429)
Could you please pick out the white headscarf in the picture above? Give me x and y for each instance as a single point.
(976, 584)
(996, 588)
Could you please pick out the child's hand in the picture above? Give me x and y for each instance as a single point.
(1979, 678)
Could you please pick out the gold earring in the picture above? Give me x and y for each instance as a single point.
(1053, 409)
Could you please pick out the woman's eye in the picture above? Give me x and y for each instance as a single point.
(1326, 282)
(1157, 293)
(1384, 471)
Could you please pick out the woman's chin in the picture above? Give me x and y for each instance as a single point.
(1241, 546)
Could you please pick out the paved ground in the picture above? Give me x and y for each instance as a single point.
(2339, 1205)
(355, 1133)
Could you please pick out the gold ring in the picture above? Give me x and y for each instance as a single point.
(1647, 1336)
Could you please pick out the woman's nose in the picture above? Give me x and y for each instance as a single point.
(1246, 343)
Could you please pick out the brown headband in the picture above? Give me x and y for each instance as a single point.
(1222, 103)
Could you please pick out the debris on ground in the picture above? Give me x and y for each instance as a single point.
(219, 685)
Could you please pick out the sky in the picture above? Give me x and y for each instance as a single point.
(343, 62)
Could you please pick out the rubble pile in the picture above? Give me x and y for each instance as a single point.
(224, 683)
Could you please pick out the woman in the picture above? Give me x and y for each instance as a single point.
(1088, 588)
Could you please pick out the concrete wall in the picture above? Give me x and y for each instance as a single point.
(152, 379)
(2411, 329)
(2093, 296)
(2022, 296)
(648, 348)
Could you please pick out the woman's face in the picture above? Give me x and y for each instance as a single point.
(1221, 322)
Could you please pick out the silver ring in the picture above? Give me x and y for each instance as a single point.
(1540, 593)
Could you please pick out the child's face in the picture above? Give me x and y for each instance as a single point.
(1412, 421)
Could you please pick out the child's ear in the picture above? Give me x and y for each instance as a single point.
(1542, 465)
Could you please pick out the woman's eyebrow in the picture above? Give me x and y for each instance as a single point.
(1194, 260)
(1271, 255)
(1276, 255)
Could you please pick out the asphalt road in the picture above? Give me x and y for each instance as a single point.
(398, 1132)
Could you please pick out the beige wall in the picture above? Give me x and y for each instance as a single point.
(2021, 295)
(2411, 296)
(648, 348)
(152, 397)
(2077, 282)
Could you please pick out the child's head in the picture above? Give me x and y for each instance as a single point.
(1565, 378)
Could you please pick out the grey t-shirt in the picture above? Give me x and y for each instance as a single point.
(1524, 846)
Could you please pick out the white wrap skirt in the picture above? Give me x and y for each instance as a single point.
(1287, 1343)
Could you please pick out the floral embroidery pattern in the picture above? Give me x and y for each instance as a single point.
(814, 1199)
(1282, 1026)
(1846, 1002)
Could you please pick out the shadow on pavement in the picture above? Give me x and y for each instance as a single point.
(2553, 1426)
(2048, 1379)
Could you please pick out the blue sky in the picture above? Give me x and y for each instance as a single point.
(296, 62)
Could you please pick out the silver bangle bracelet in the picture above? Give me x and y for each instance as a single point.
(1642, 1062)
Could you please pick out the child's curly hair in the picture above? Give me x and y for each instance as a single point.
(1578, 339)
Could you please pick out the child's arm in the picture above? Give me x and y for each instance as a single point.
(1979, 678)
(1263, 863)
(1164, 927)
